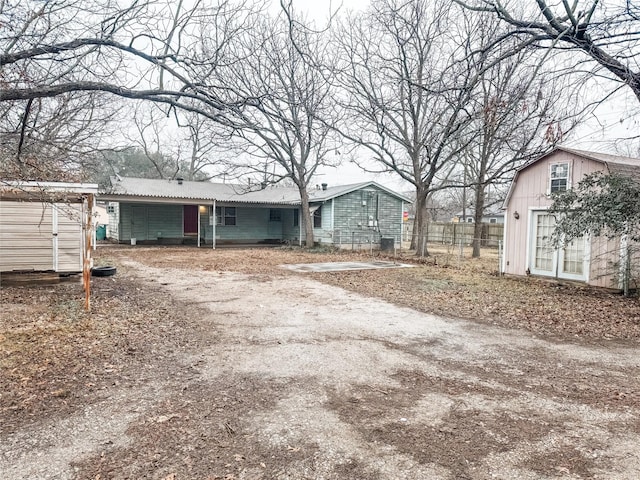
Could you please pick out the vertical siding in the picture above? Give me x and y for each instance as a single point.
(604, 264)
(289, 231)
(149, 222)
(206, 227)
(530, 193)
(124, 222)
(253, 225)
(165, 221)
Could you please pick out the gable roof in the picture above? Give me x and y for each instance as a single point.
(615, 163)
(319, 195)
(46, 191)
(145, 188)
(626, 166)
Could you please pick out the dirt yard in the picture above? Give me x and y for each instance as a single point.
(201, 364)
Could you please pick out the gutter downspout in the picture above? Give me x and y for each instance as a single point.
(198, 209)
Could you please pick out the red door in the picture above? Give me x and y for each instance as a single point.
(190, 219)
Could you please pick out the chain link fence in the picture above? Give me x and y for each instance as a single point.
(449, 241)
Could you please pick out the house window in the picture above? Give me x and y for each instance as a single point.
(275, 215)
(493, 220)
(469, 220)
(317, 218)
(559, 177)
(296, 217)
(225, 215)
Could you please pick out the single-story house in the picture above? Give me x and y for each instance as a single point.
(45, 226)
(206, 213)
(528, 225)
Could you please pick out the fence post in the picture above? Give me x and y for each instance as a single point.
(461, 249)
(499, 257)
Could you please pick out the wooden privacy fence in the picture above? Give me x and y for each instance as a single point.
(445, 233)
(454, 233)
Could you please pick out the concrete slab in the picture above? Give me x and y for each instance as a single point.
(343, 266)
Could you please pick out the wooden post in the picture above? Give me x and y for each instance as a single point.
(86, 260)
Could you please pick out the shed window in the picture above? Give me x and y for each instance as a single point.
(317, 218)
(296, 217)
(111, 209)
(559, 177)
(275, 215)
(225, 215)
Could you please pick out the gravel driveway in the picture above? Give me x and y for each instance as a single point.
(300, 379)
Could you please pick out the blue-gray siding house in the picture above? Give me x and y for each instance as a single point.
(205, 213)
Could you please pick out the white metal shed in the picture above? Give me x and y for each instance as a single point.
(46, 226)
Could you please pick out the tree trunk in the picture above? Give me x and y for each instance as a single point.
(419, 241)
(477, 219)
(307, 221)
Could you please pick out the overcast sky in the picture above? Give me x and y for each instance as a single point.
(616, 119)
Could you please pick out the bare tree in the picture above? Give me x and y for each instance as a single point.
(53, 139)
(201, 147)
(144, 50)
(153, 138)
(408, 78)
(606, 32)
(522, 112)
(281, 131)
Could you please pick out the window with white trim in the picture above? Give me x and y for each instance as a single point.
(317, 218)
(558, 177)
(226, 216)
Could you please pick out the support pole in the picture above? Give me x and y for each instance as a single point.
(213, 230)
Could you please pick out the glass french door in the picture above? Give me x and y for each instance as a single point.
(569, 261)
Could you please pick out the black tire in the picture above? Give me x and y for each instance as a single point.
(103, 271)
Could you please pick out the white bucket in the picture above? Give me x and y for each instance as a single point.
(133, 241)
